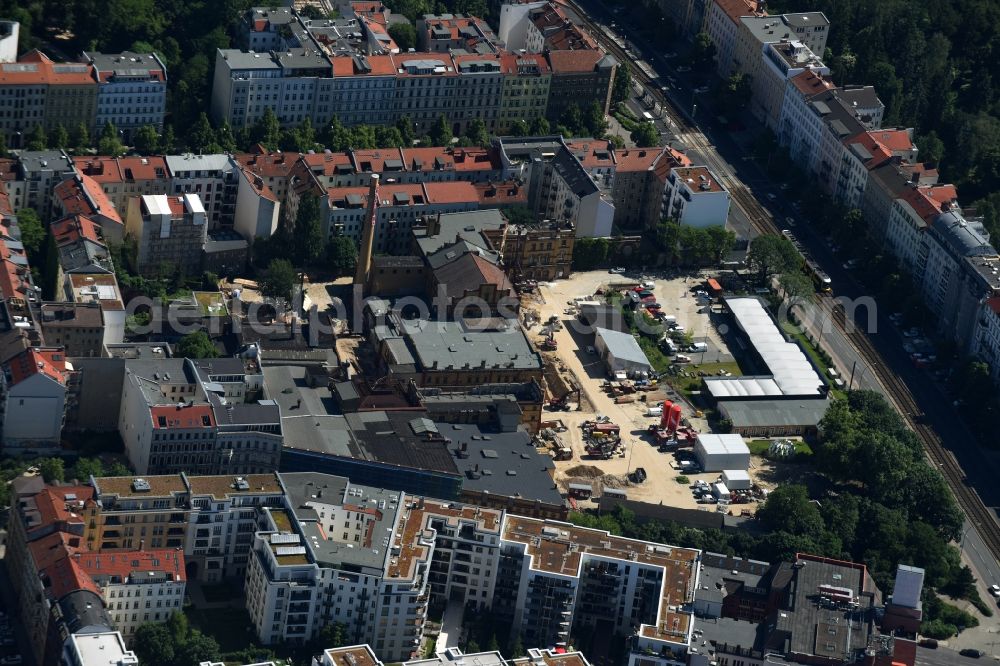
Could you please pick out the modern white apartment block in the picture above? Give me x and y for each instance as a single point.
(722, 25)
(131, 90)
(213, 178)
(782, 61)
(9, 33)
(375, 560)
(695, 197)
(101, 648)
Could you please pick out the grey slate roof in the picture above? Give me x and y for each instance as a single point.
(447, 344)
(774, 412)
(961, 236)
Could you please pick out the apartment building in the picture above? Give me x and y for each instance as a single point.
(579, 77)
(168, 233)
(444, 33)
(76, 327)
(560, 189)
(37, 91)
(63, 587)
(527, 78)
(722, 26)
(214, 178)
(541, 251)
(80, 194)
(550, 28)
(399, 207)
(95, 285)
(755, 31)
(798, 124)
(257, 207)
(212, 519)
(783, 60)
(131, 90)
(695, 197)
(35, 174)
(479, 91)
(33, 399)
(639, 186)
(866, 152)
(122, 178)
(181, 415)
(137, 587)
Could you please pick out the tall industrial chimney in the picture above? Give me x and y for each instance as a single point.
(367, 235)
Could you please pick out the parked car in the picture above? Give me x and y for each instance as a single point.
(967, 652)
(681, 358)
(639, 475)
(928, 643)
(995, 590)
(591, 350)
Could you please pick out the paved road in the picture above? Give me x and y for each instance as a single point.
(943, 657)
(719, 149)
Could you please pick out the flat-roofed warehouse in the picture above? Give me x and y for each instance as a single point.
(791, 375)
(774, 418)
(620, 351)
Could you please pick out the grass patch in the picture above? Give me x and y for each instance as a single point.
(651, 349)
(230, 627)
(683, 480)
(818, 357)
(761, 447)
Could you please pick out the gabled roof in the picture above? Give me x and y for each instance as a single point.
(50, 362)
(810, 83)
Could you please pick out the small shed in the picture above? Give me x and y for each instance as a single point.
(620, 351)
(716, 453)
(736, 479)
(721, 492)
(580, 490)
(615, 492)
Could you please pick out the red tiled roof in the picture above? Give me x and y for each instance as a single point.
(72, 228)
(123, 564)
(327, 163)
(695, 176)
(734, 9)
(810, 83)
(36, 68)
(54, 507)
(638, 159)
(559, 31)
(53, 556)
(101, 169)
(451, 192)
(188, 416)
(994, 304)
(37, 361)
(584, 60)
(5, 207)
(896, 140)
(271, 165)
(380, 66)
(459, 159)
(501, 194)
(593, 152)
(923, 203)
(509, 62)
(258, 184)
(14, 277)
(373, 161)
(143, 168)
(82, 195)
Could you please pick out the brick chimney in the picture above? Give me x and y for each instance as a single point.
(368, 235)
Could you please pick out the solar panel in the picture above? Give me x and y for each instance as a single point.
(284, 538)
(290, 550)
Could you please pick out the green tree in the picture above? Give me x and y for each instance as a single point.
(931, 147)
(789, 509)
(539, 126)
(3, 145)
(589, 253)
(117, 469)
(146, 140)
(81, 139)
(336, 136)
(308, 234)
(224, 138)
(278, 280)
(440, 133)
(84, 468)
(769, 254)
(154, 645)
(201, 138)
(404, 35)
(37, 139)
(518, 128)
(645, 135)
(795, 286)
(389, 137)
(703, 52)
(477, 133)
(332, 635)
(196, 345)
(110, 142)
(405, 127)
(737, 90)
(719, 242)
(267, 131)
(516, 649)
(572, 119)
(52, 469)
(198, 648)
(595, 120)
(168, 141)
(32, 231)
(342, 255)
(622, 87)
(60, 138)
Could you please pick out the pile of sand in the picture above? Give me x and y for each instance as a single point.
(585, 471)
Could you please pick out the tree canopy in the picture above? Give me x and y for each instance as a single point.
(196, 345)
(769, 254)
(278, 280)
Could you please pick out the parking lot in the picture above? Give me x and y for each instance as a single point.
(588, 371)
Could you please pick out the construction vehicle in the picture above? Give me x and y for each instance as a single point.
(559, 404)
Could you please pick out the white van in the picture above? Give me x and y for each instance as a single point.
(649, 284)
(699, 346)
(655, 411)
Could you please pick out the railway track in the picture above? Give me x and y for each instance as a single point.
(968, 499)
(899, 394)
